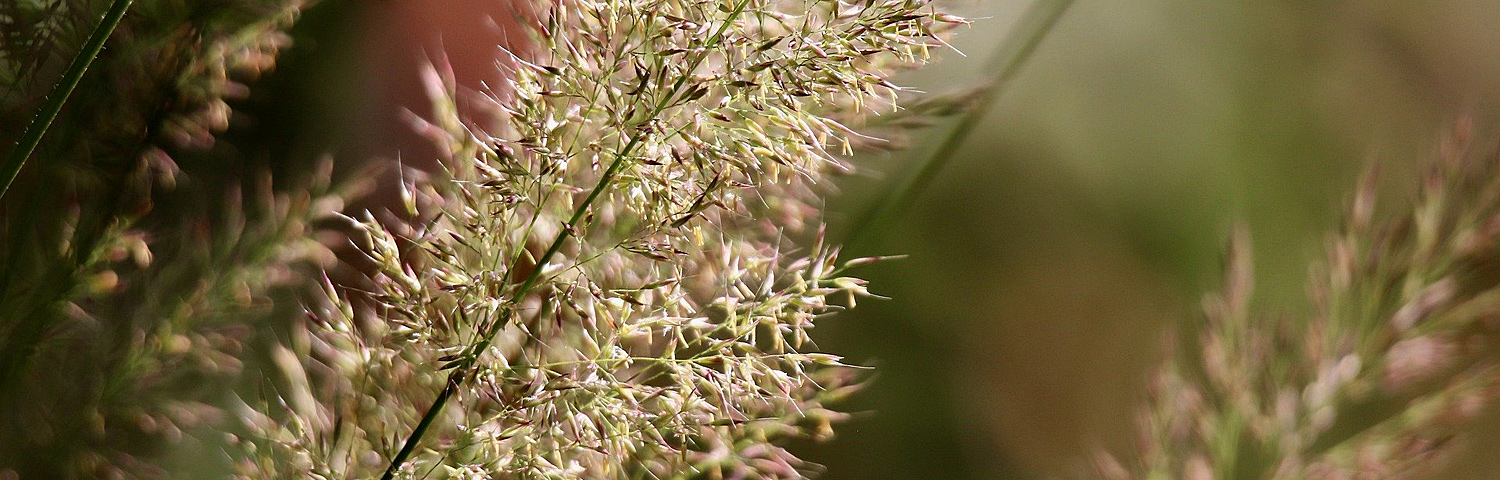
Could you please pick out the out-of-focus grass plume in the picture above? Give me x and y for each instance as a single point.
(1385, 375)
(124, 324)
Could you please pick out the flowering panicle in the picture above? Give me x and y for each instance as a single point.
(1398, 354)
(607, 286)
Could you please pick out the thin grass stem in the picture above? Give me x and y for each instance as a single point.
(60, 93)
(1013, 54)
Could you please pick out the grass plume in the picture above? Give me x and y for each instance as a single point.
(1382, 377)
(123, 321)
(605, 284)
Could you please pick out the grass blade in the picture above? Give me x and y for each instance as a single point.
(1018, 47)
(59, 96)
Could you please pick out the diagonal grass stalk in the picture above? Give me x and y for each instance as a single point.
(20, 344)
(60, 93)
(457, 377)
(1013, 54)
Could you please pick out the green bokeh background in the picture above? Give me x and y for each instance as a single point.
(1089, 210)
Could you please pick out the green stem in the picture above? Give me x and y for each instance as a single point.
(1018, 47)
(60, 93)
(562, 236)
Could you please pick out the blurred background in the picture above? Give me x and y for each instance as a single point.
(1084, 217)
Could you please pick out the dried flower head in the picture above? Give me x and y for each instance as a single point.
(607, 285)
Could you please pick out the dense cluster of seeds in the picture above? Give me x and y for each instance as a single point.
(605, 284)
(1380, 381)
